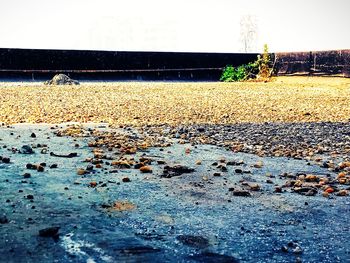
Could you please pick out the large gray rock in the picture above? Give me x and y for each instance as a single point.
(61, 79)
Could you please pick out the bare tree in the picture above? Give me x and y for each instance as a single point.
(249, 33)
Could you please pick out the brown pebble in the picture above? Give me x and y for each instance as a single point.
(146, 169)
(126, 180)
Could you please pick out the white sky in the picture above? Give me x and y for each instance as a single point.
(177, 25)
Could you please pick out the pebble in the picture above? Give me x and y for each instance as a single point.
(26, 175)
(193, 241)
(145, 169)
(126, 180)
(241, 193)
(49, 232)
(26, 149)
(123, 206)
(81, 171)
(4, 220)
(258, 164)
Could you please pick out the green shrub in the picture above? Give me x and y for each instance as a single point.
(259, 69)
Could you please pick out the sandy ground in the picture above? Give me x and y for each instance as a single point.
(285, 99)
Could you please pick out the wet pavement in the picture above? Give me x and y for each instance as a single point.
(192, 217)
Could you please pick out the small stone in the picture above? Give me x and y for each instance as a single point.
(258, 164)
(278, 189)
(284, 249)
(33, 135)
(26, 175)
(126, 180)
(329, 190)
(297, 250)
(30, 197)
(255, 187)
(5, 160)
(93, 184)
(342, 193)
(311, 178)
(193, 241)
(40, 168)
(241, 193)
(123, 206)
(217, 174)
(49, 232)
(26, 149)
(325, 194)
(3, 219)
(198, 162)
(145, 169)
(53, 166)
(238, 171)
(81, 171)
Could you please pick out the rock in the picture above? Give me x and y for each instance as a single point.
(137, 250)
(70, 155)
(53, 166)
(121, 164)
(342, 193)
(26, 149)
(61, 79)
(278, 189)
(26, 175)
(343, 165)
(123, 206)
(255, 187)
(33, 135)
(193, 241)
(297, 250)
(145, 169)
(310, 191)
(241, 193)
(49, 232)
(222, 167)
(329, 190)
(30, 197)
(284, 249)
(258, 164)
(238, 171)
(198, 162)
(212, 257)
(40, 168)
(93, 184)
(176, 170)
(5, 159)
(126, 180)
(3, 219)
(311, 178)
(81, 171)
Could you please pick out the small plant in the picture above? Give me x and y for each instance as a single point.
(264, 63)
(260, 69)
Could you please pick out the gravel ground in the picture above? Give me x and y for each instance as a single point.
(286, 99)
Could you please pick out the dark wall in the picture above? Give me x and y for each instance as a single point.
(314, 63)
(109, 65)
(118, 65)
